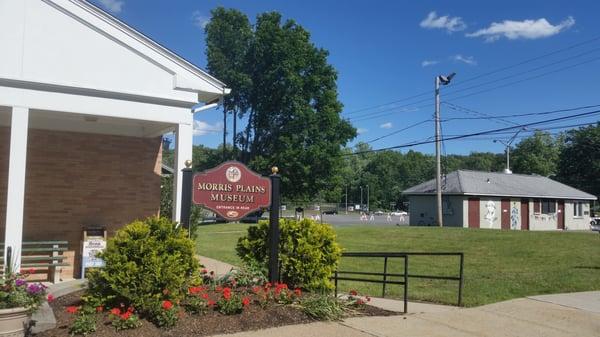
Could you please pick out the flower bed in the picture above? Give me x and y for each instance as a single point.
(255, 315)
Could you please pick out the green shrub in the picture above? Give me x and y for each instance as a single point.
(146, 262)
(308, 252)
(84, 324)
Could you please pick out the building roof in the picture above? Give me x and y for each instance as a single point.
(500, 184)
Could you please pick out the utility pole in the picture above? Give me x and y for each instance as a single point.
(444, 80)
(346, 210)
(361, 203)
(368, 197)
(508, 144)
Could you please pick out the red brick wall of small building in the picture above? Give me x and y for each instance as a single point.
(75, 180)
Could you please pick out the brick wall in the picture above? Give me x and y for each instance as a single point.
(76, 179)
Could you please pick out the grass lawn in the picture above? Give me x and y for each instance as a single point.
(499, 265)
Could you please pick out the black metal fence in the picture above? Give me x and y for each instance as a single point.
(341, 275)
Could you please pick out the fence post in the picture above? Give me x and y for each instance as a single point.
(274, 226)
(336, 283)
(385, 259)
(461, 281)
(405, 284)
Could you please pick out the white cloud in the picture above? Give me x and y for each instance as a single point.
(427, 63)
(203, 128)
(526, 29)
(470, 60)
(360, 131)
(387, 125)
(200, 20)
(113, 6)
(450, 24)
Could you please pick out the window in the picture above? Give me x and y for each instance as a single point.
(577, 209)
(548, 206)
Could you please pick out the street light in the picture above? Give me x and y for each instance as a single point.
(361, 201)
(507, 144)
(443, 80)
(368, 208)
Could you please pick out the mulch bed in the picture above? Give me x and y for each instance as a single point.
(211, 323)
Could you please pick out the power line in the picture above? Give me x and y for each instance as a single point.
(481, 75)
(398, 131)
(477, 133)
(489, 116)
(386, 113)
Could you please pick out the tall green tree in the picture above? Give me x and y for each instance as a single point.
(537, 154)
(228, 39)
(290, 94)
(579, 164)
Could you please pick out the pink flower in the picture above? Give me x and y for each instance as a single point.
(72, 309)
(50, 298)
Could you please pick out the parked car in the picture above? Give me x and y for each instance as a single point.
(398, 213)
(595, 224)
(330, 211)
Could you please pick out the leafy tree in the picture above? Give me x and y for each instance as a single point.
(228, 38)
(289, 92)
(579, 164)
(537, 154)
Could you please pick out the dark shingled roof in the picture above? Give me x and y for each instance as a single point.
(500, 184)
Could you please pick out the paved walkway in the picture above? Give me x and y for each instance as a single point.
(220, 268)
(548, 316)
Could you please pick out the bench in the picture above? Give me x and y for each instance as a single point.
(41, 255)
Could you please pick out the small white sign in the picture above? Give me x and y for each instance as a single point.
(91, 248)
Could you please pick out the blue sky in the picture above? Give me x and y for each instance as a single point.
(386, 51)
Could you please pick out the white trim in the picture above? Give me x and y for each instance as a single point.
(15, 196)
(183, 151)
(507, 196)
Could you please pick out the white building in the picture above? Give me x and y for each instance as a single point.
(502, 201)
(84, 101)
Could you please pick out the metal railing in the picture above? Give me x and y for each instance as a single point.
(384, 281)
(385, 274)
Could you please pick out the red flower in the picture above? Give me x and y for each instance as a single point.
(219, 289)
(204, 271)
(227, 293)
(211, 303)
(195, 290)
(115, 311)
(298, 292)
(353, 292)
(167, 305)
(72, 309)
(130, 309)
(50, 298)
(246, 301)
(126, 315)
(100, 309)
(256, 290)
(205, 296)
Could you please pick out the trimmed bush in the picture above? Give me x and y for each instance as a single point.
(146, 262)
(308, 252)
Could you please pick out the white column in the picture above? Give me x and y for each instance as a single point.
(15, 198)
(183, 151)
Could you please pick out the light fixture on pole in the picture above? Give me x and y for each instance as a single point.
(507, 144)
(361, 200)
(368, 208)
(443, 80)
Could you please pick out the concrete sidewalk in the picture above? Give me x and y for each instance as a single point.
(220, 268)
(548, 316)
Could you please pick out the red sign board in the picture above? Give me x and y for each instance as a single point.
(231, 190)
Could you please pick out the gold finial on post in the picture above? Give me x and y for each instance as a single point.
(188, 163)
(274, 169)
